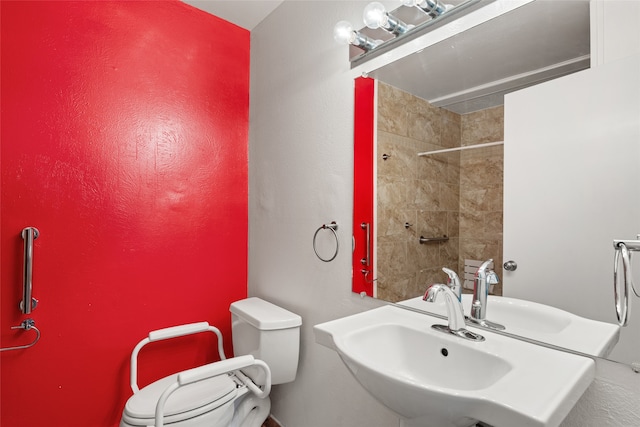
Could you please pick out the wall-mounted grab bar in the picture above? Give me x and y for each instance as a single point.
(424, 240)
(28, 303)
(27, 325)
(623, 249)
(367, 259)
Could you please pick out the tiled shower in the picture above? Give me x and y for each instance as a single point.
(456, 194)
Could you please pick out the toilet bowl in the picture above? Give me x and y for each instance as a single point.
(232, 392)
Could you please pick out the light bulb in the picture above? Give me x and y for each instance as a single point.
(433, 8)
(375, 15)
(343, 32)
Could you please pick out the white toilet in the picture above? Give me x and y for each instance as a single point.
(229, 393)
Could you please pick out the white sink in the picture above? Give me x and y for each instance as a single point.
(433, 379)
(391, 345)
(539, 322)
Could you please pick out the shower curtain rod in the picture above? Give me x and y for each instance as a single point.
(466, 147)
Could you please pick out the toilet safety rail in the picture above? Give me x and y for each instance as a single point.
(167, 333)
(623, 249)
(211, 370)
(200, 373)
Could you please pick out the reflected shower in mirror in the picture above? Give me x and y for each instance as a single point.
(452, 199)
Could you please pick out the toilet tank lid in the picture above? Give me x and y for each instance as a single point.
(264, 315)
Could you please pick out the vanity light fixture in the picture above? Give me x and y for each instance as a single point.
(433, 8)
(376, 16)
(344, 33)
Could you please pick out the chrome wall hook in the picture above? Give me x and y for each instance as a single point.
(365, 273)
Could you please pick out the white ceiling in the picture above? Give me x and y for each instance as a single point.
(244, 13)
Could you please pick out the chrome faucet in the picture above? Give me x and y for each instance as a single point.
(484, 277)
(455, 313)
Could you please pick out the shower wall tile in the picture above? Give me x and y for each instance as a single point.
(451, 135)
(449, 197)
(391, 223)
(392, 112)
(453, 224)
(431, 223)
(455, 194)
(449, 254)
(481, 189)
(402, 150)
(425, 122)
(427, 196)
(483, 126)
(394, 191)
(433, 168)
(423, 191)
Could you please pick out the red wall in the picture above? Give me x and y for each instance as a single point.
(124, 141)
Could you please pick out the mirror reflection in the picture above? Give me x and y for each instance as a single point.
(451, 200)
(426, 188)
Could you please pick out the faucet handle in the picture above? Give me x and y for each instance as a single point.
(453, 282)
(492, 278)
(485, 266)
(430, 293)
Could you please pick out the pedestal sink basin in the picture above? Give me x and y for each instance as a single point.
(432, 379)
(539, 322)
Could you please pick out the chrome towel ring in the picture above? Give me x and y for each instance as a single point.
(333, 227)
(623, 249)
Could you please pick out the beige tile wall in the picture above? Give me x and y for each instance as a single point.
(427, 192)
(481, 189)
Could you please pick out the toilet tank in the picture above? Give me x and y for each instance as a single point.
(269, 333)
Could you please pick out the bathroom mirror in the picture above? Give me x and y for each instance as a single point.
(446, 96)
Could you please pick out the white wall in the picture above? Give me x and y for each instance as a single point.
(300, 177)
(612, 400)
(615, 29)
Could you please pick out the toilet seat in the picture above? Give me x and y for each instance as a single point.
(192, 400)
